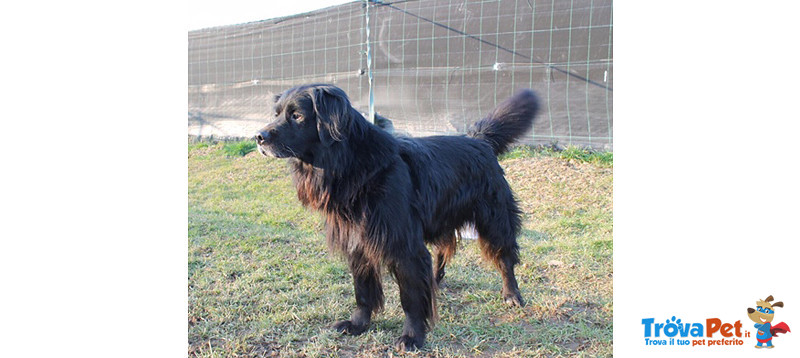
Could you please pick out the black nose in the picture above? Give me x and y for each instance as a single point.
(262, 136)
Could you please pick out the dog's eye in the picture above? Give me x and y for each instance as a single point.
(297, 116)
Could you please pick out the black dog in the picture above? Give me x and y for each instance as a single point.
(385, 197)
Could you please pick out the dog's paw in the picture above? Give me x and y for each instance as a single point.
(514, 299)
(349, 328)
(406, 343)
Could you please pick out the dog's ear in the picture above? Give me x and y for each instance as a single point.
(332, 109)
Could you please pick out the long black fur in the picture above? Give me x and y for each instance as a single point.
(384, 197)
(510, 119)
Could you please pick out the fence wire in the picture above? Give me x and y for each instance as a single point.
(437, 65)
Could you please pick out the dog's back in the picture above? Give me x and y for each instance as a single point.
(457, 178)
(449, 174)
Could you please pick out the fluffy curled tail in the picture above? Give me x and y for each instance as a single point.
(507, 122)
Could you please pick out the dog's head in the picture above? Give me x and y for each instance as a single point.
(306, 118)
(765, 311)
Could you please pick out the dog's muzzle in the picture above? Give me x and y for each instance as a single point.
(267, 146)
(263, 151)
(262, 139)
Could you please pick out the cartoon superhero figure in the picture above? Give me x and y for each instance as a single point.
(763, 316)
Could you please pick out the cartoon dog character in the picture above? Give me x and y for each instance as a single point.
(763, 316)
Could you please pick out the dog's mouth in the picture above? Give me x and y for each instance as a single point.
(270, 152)
(263, 151)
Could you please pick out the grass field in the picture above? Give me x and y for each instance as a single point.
(261, 282)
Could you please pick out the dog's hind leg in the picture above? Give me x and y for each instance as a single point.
(497, 227)
(444, 249)
(369, 295)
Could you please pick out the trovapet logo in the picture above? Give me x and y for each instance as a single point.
(673, 332)
(715, 332)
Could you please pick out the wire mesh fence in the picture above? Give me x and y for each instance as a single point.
(437, 66)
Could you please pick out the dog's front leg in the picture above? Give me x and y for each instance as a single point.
(369, 295)
(414, 276)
